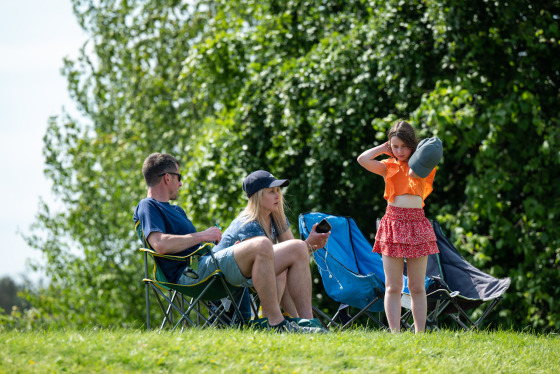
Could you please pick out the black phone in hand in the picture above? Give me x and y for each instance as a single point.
(323, 226)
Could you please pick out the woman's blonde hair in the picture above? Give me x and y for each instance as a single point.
(252, 213)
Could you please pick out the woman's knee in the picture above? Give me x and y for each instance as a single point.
(263, 246)
(258, 246)
(302, 248)
(295, 249)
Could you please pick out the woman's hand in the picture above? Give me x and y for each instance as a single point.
(317, 240)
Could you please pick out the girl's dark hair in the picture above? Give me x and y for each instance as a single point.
(405, 132)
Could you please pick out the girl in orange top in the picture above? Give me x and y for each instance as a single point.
(404, 232)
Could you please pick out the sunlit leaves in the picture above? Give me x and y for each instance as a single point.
(301, 88)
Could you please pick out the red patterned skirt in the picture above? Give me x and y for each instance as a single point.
(405, 232)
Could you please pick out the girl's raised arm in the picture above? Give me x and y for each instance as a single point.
(366, 159)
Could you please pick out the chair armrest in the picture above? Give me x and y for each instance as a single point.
(202, 250)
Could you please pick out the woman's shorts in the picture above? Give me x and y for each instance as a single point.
(227, 264)
(406, 233)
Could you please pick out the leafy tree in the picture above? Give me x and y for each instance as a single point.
(9, 295)
(301, 88)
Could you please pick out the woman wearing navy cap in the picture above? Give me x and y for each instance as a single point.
(264, 216)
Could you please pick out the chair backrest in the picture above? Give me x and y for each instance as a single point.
(140, 234)
(158, 273)
(346, 243)
(459, 274)
(350, 272)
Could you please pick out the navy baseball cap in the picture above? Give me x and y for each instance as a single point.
(260, 179)
(428, 154)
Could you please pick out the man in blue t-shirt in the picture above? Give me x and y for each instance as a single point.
(167, 229)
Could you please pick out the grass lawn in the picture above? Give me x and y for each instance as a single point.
(247, 351)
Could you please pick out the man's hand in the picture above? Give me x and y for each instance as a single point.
(212, 234)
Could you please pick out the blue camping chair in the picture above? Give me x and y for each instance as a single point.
(351, 273)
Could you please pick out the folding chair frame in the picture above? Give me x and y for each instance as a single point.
(440, 299)
(450, 301)
(176, 300)
(203, 293)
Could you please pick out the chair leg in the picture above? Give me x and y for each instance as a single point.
(254, 299)
(169, 311)
(168, 316)
(192, 306)
(237, 311)
(487, 311)
(349, 323)
(457, 319)
(171, 303)
(224, 284)
(322, 316)
(147, 291)
(373, 318)
(147, 287)
(157, 293)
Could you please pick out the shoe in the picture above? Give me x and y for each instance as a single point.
(259, 324)
(306, 322)
(314, 322)
(292, 327)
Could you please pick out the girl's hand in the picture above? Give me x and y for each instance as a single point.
(387, 150)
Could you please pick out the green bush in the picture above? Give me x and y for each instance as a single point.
(301, 88)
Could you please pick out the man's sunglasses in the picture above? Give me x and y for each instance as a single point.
(177, 174)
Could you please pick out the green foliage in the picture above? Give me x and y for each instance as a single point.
(15, 311)
(301, 89)
(9, 298)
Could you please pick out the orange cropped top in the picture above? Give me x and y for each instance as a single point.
(398, 182)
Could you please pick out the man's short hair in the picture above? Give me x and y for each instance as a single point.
(157, 164)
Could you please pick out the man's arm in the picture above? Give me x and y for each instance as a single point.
(167, 244)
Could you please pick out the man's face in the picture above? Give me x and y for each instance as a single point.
(174, 184)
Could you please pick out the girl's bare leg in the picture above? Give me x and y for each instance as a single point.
(393, 268)
(416, 271)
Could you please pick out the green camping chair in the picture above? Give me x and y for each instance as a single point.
(199, 299)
